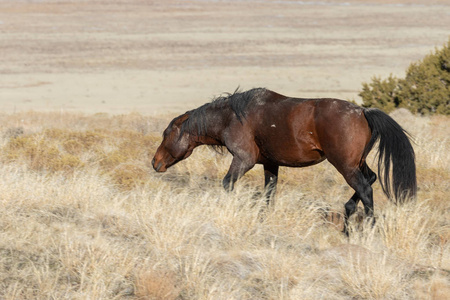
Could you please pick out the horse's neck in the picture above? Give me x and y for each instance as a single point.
(214, 127)
(207, 140)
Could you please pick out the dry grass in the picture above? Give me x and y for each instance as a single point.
(84, 217)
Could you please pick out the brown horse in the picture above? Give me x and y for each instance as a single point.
(260, 126)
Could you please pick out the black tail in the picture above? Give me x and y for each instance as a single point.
(394, 147)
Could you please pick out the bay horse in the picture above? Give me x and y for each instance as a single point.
(260, 126)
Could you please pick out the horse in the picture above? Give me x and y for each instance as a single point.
(260, 126)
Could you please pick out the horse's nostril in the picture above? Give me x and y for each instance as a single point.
(153, 161)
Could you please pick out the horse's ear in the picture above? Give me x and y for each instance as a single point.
(179, 120)
(184, 117)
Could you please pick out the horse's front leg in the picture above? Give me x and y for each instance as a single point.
(239, 166)
(270, 181)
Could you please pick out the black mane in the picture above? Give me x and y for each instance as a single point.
(238, 102)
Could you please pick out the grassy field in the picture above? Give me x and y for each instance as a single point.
(84, 216)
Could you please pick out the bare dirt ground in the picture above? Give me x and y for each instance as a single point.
(165, 56)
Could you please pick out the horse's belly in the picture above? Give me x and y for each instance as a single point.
(293, 156)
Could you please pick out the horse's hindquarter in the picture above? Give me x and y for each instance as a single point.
(342, 131)
(285, 133)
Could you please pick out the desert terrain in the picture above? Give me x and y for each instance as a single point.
(87, 88)
(168, 56)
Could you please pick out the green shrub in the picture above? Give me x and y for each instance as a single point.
(424, 90)
(381, 94)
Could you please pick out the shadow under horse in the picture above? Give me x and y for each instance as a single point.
(260, 126)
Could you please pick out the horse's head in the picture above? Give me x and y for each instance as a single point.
(176, 146)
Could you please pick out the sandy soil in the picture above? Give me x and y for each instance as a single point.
(165, 56)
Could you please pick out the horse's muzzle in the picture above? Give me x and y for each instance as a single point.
(158, 166)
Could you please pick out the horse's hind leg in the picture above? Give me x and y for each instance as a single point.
(350, 207)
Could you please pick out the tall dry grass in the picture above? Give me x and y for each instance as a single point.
(85, 217)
